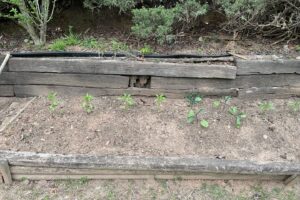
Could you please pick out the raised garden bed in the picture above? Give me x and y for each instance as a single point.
(147, 130)
(150, 141)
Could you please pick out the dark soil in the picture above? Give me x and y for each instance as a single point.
(147, 129)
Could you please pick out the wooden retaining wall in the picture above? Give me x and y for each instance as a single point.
(37, 166)
(77, 76)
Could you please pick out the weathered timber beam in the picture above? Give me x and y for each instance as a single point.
(37, 90)
(117, 67)
(248, 67)
(183, 164)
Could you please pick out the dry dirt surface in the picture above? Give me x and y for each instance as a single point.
(148, 190)
(148, 129)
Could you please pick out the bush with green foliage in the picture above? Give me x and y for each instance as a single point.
(33, 16)
(122, 5)
(153, 23)
(276, 19)
(160, 22)
(188, 12)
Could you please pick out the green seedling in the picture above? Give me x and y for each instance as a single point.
(146, 50)
(193, 99)
(233, 110)
(87, 103)
(53, 101)
(266, 106)
(239, 116)
(216, 104)
(159, 99)
(295, 106)
(192, 115)
(127, 100)
(204, 123)
(227, 99)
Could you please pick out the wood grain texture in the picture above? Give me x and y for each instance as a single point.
(174, 164)
(83, 80)
(7, 78)
(6, 91)
(145, 176)
(117, 67)
(49, 173)
(38, 90)
(5, 172)
(247, 67)
(270, 92)
(241, 82)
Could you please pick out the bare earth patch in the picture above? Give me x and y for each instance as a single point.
(147, 129)
(149, 189)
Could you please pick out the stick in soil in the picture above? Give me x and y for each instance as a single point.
(5, 125)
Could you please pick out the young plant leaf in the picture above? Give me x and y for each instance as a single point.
(53, 101)
(191, 116)
(266, 106)
(227, 99)
(233, 110)
(87, 103)
(216, 104)
(238, 121)
(159, 99)
(127, 100)
(193, 99)
(204, 123)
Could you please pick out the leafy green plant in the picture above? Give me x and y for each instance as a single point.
(159, 22)
(227, 99)
(239, 116)
(90, 43)
(192, 115)
(193, 98)
(298, 48)
(153, 23)
(58, 45)
(87, 103)
(266, 106)
(127, 100)
(216, 104)
(33, 16)
(122, 5)
(146, 50)
(295, 106)
(52, 97)
(269, 18)
(233, 110)
(204, 123)
(117, 46)
(188, 11)
(62, 43)
(159, 99)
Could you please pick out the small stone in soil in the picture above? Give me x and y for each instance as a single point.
(265, 137)
(272, 127)
(284, 156)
